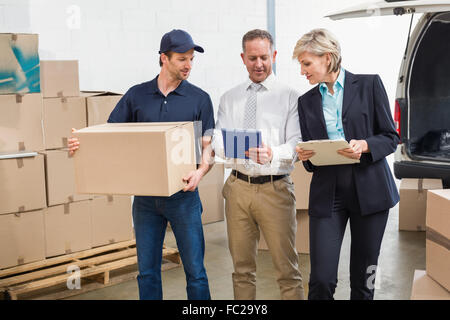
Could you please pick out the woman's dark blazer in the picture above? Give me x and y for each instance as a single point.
(366, 115)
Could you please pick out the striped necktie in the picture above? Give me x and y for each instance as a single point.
(250, 112)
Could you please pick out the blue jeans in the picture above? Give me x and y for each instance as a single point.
(150, 215)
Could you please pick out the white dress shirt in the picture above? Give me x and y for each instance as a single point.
(276, 117)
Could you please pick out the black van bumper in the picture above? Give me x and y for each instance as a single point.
(408, 169)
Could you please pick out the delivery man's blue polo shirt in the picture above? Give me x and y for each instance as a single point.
(145, 103)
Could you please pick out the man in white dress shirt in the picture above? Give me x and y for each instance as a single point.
(259, 192)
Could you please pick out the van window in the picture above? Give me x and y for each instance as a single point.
(429, 93)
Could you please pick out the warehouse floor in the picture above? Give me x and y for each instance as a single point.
(401, 253)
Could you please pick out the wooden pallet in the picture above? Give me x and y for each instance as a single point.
(97, 268)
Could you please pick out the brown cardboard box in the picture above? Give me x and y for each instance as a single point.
(134, 158)
(302, 239)
(413, 202)
(302, 180)
(59, 78)
(99, 106)
(21, 238)
(19, 63)
(210, 190)
(425, 288)
(22, 184)
(60, 177)
(60, 116)
(438, 236)
(68, 228)
(302, 236)
(21, 123)
(111, 220)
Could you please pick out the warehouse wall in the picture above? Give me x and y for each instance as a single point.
(117, 42)
(15, 16)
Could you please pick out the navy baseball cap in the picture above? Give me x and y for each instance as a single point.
(178, 41)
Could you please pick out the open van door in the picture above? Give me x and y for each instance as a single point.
(386, 8)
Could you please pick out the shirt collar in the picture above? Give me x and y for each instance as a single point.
(153, 87)
(268, 83)
(339, 82)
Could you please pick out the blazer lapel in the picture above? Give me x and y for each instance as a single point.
(350, 86)
(316, 104)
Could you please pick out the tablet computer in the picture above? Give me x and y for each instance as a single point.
(237, 141)
(326, 152)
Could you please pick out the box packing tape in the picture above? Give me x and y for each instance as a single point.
(19, 163)
(438, 238)
(66, 208)
(64, 100)
(14, 37)
(60, 94)
(67, 248)
(19, 98)
(70, 198)
(21, 146)
(111, 241)
(64, 142)
(20, 260)
(420, 185)
(110, 198)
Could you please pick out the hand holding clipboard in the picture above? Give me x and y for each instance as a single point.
(331, 152)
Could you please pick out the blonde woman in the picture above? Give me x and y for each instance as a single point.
(353, 107)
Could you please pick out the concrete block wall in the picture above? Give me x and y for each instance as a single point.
(117, 42)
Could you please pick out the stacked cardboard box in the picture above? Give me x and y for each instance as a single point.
(302, 180)
(41, 215)
(22, 180)
(22, 238)
(434, 282)
(22, 197)
(74, 221)
(438, 237)
(210, 190)
(67, 219)
(21, 123)
(19, 63)
(64, 108)
(60, 178)
(99, 105)
(111, 220)
(67, 228)
(425, 288)
(413, 202)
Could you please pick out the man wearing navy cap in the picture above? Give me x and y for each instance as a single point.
(170, 97)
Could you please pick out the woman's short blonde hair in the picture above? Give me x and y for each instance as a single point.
(320, 42)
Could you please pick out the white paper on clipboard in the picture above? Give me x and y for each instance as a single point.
(326, 152)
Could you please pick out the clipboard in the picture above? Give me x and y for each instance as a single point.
(326, 152)
(237, 141)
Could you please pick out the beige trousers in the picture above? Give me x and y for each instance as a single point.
(269, 207)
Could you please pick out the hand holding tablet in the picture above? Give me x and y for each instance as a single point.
(237, 142)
